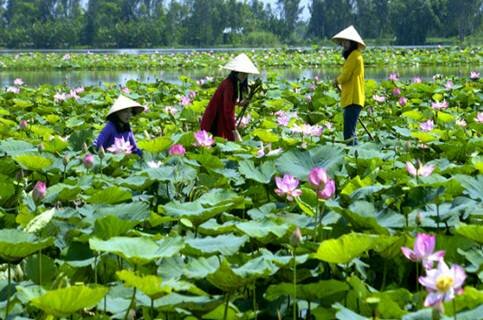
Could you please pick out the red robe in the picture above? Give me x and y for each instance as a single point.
(219, 116)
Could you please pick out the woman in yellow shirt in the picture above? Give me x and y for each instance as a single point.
(351, 80)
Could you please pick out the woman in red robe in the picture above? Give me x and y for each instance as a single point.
(219, 116)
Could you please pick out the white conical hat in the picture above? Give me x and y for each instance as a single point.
(241, 63)
(122, 103)
(349, 33)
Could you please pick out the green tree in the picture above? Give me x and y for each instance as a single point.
(327, 17)
(290, 11)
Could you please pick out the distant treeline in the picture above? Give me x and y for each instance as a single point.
(203, 23)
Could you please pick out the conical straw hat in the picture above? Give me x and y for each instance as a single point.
(349, 33)
(122, 103)
(241, 63)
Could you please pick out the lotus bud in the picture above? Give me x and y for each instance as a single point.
(23, 124)
(88, 161)
(85, 148)
(65, 159)
(40, 147)
(177, 150)
(39, 191)
(296, 237)
(101, 152)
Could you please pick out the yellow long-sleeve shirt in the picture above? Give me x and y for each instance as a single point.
(351, 80)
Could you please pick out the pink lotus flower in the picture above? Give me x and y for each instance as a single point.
(417, 80)
(396, 92)
(73, 94)
(154, 164)
(461, 122)
(287, 186)
(379, 99)
(427, 125)
(60, 97)
(177, 150)
(449, 85)
(66, 57)
(423, 250)
(192, 94)
(125, 90)
(324, 185)
(474, 75)
(307, 129)
(120, 146)
(79, 90)
(422, 171)
(170, 110)
(88, 161)
(439, 105)
(185, 100)
(23, 124)
(39, 191)
(18, 82)
(282, 118)
(204, 139)
(328, 191)
(318, 177)
(308, 98)
(393, 76)
(403, 101)
(479, 117)
(443, 283)
(13, 89)
(245, 120)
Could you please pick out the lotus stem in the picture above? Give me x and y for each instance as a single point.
(95, 269)
(294, 286)
(254, 293)
(131, 303)
(454, 309)
(8, 289)
(227, 302)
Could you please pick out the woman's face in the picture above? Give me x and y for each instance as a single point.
(125, 115)
(242, 76)
(345, 44)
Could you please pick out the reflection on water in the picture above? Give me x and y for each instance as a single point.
(98, 78)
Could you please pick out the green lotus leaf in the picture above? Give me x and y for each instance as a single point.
(201, 267)
(134, 211)
(110, 195)
(161, 173)
(56, 144)
(41, 269)
(311, 292)
(138, 251)
(445, 117)
(232, 313)
(212, 228)
(155, 145)
(225, 279)
(74, 122)
(473, 186)
(40, 221)
(265, 231)
(170, 246)
(263, 174)
(109, 226)
(346, 314)
(469, 299)
(42, 131)
(424, 137)
(16, 245)
(206, 160)
(62, 192)
(7, 189)
(267, 136)
(224, 244)
(473, 232)
(346, 248)
(66, 301)
(150, 285)
(33, 161)
(413, 114)
(22, 103)
(174, 301)
(299, 163)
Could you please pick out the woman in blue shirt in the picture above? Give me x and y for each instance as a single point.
(117, 136)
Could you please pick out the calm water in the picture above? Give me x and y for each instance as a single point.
(98, 78)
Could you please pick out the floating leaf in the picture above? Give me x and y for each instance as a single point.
(110, 195)
(136, 250)
(32, 161)
(345, 248)
(66, 301)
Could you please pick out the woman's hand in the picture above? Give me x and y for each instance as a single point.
(243, 103)
(237, 135)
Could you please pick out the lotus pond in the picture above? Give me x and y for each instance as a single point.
(289, 223)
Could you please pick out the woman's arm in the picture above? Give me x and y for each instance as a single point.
(105, 136)
(347, 70)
